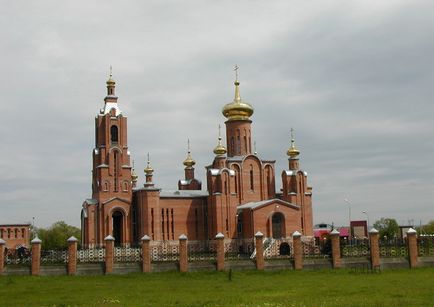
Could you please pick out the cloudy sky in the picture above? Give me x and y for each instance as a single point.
(354, 78)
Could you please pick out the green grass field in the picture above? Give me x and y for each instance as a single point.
(252, 288)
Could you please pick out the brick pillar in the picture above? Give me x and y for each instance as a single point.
(220, 239)
(36, 256)
(336, 249)
(183, 255)
(260, 263)
(146, 254)
(298, 250)
(375, 248)
(109, 253)
(72, 255)
(412, 247)
(2, 255)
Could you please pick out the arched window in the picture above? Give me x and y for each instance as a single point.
(114, 134)
(251, 178)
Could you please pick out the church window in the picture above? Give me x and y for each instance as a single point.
(232, 144)
(251, 178)
(162, 222)
(196, 223)
(22, 232)
(125, 188)
(106, 186)
(9, 233)
(238, 145)
(115, 171)
(16, 233)
(226, 187)
(227, 225)
(114, 134)
(173, 225)
(152, 222)
(167, 224)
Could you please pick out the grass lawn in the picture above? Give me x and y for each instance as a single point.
(252, 288)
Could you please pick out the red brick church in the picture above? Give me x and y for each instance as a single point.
(240, 198)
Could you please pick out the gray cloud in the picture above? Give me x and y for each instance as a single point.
(354, 79)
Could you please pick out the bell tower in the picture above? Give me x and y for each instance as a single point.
(238, 124)
(108, 211)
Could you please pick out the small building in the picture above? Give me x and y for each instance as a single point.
(15, 235)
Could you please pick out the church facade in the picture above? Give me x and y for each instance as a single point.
(240, 197)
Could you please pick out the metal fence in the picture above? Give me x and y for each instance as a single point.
(312, 249)
(425, 246)
(355, 248)
(127, 254)
(93, 255)
(393, 248)
(18, 256)
(54, 257)
(278, 248)
(202, 250)
(239, 249)
(163, 251)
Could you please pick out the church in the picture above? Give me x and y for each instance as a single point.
(240, 197)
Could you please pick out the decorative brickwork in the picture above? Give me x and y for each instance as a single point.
(109, 254)
(183, 256)
(36, 256)
(146, 254)
(260, 263)
(298, 250)
(412, 247)
(72, 255)
(375, 248)
(336, 249)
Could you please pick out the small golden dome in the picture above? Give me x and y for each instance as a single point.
(148, 169)
(220, 150)
(237, 109)
(110, 81)
(189, 162)
(134, 176)
(292, 152)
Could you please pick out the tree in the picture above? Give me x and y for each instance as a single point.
(56, 236)
(387, 227)
(427, 229)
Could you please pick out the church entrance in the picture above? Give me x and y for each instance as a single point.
(278, 221)
(117, 227)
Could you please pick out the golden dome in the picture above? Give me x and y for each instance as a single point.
(292, 152)
(220, 150)
(110, 81)
(148, 169)
(134, 176)
(237, 109)
(189, 162)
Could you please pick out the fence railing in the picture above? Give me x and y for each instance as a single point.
(393, 248)
(94, 255)
(311, 249)
(202, 251)
(163, 251)
(128, 254)
(355, 248)
(54, 257)
(278, 249)
(425, 246)
(239, 249)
